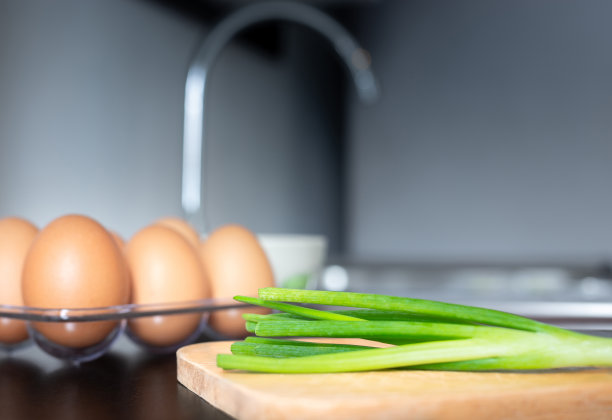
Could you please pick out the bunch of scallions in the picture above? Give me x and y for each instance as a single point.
(414, 333)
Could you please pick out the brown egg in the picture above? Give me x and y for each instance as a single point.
(164, 268)
(118, 240)
(236, 264)
(182, 227)
(74, 263)
(16, 235)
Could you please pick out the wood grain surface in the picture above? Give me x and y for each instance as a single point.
(398, 394)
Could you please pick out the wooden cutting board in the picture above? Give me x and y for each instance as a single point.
(578, 394)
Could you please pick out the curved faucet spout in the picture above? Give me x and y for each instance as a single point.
(354, 57)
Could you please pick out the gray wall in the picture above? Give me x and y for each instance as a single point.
(91, 112)
(493, 141)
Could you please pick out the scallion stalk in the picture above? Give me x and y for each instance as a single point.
(258, 346)
(409, 305)
(425, 335)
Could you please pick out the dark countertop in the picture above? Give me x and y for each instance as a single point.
(125, 383)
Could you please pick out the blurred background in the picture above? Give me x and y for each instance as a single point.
(490, 142)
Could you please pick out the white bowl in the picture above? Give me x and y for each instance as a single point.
(296, 260)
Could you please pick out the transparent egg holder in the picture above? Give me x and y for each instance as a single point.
(120, 313)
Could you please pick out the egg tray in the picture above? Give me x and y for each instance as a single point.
(121, 313)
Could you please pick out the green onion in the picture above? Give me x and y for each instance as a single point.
(258, 346)
(366, 314)
(423, 335)
(409, 305)
(369, 359)
(297, 310)
(374, 329)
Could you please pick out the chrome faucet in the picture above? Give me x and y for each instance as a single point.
(356, 60)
